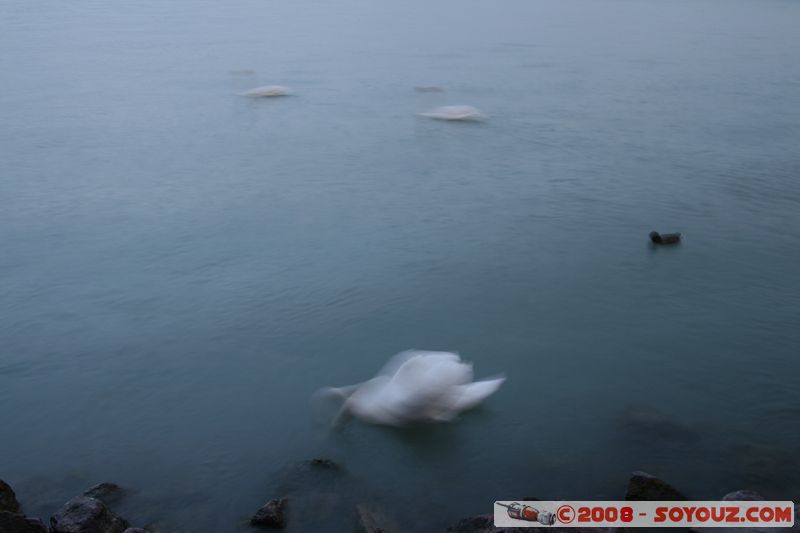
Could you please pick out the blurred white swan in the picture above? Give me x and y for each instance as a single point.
(267, 91)
(454, 112)
(413, 386)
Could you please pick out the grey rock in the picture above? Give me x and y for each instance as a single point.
(8, 500)
(374, 520)
(743, 496)
(86, 515)
(646, 487)
(17, 523)
(323, 495)
(105, 492)
(272, 514)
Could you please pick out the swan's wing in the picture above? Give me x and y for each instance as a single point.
(463, 397)
(418, 389)
(399, 359)
(396, 361)
(378, 402)
(431, 373)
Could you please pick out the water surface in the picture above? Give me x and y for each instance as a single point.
(181, 267)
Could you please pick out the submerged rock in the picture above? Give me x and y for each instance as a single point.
(105, 492)
(319, 462)
(17, 523)
(8, 500)
(374, 520)
(649, 421)
(764, 464)
(86, 515)
(646, 487)
(272, 514)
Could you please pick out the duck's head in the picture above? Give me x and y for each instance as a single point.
(655, 236)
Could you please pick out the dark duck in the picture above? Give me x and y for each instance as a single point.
(665, 238)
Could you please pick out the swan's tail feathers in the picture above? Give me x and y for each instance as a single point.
(473, 394)
(341, 418)
(329, 405)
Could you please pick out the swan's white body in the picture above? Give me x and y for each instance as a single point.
(267, 91)
(415, 386)
(454, 112)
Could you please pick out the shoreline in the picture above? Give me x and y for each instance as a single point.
(314, 486)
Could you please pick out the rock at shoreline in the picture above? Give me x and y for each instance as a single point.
(743, 496)
(86, 515)
(374, 520)
(105, 492)
(17, 523)
(482, 524)
(135, 530)
(272, 514)
(8, 500)
(646, 487)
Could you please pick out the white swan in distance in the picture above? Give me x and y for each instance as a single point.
(454, 112)
(414, 386)
(267, 91)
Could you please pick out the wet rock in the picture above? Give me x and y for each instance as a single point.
(373, 520)
(740, 496)
(105, 492)
(481, 524)
(135, 530)
(8, 500)
(86, 515)
(17, 523)
(322, 492)
(272, 514)
(646, 487)
(743, 496)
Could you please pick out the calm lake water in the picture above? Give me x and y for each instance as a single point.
(181, 267)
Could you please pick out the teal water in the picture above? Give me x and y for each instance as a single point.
(180, 268)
